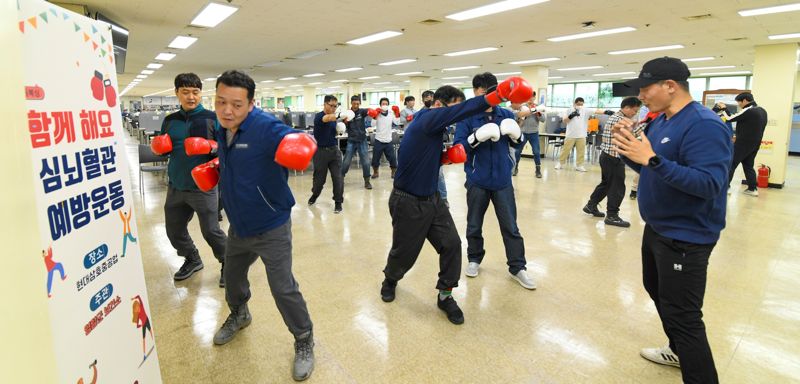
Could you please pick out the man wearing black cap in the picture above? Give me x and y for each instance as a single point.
(683, 160)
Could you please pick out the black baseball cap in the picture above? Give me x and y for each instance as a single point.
(662, 68)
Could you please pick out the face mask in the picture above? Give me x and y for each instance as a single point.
(428, 103)
(384, 108)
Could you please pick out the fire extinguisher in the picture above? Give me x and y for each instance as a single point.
(763, 176)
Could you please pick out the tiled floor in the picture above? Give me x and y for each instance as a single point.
(584, 324)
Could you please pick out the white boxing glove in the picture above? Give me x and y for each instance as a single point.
(486, 132)
(347, 115)
(524, 108)
(510, 128)
(340, 128)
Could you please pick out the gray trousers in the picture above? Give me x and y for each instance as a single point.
(274, 247)
(180, 207)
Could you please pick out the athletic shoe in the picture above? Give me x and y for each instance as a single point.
(239, 318)
(592, 210)
(633, 195)
(337, 208)
(753, 192)
(558, 166)
(387, 290)
(538, 172)
(303, 356)
(662, 355)
(312, 200)
(450, 307)
(472, 269)
(616, 221)
(524, 280)
(191, 265)
(580, 169)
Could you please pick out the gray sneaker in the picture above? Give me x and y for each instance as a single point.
(303, 356)
(238, 319)
(191, 264)
(472, 269)
(524, 280)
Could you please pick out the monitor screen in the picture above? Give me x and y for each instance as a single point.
(620, 90)
(119, 37)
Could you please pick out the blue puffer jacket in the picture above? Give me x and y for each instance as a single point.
(489, 165)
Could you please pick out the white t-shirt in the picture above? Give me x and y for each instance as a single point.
(577, 126)
(383, 127)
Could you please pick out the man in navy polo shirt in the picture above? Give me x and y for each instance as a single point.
(328, 156)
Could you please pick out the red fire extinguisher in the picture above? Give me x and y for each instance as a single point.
(763, 176)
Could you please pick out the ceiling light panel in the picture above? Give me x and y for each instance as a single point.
(580, 68)
(213, 14)
(182, 42)
(592, 34)
(461, 68)
(546, 59)
(471, 51)
(650, 49)
(401, 61)
(491, 9)
(374, 37)
(163, 56)
(769, 10)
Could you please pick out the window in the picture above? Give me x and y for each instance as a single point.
(731, 82)
(563, 95)
(606, 97)
(589, 93)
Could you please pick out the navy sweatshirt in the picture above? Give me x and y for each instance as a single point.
(684, 197)
(419, 155)
(489, 164)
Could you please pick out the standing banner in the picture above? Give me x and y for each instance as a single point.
(91, 265)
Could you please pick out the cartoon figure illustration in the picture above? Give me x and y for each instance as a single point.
(93, 366)
(52, 266)
(142, 321)
(126, 229)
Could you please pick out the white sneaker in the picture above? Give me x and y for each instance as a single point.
(580, 169)
(753, 193)
(729, 191)
(524, 280)
(558, 166)
(472, 269)
(662, 355)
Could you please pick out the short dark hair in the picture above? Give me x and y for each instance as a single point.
(188, 80)
(447, 94)
(355, 98)
(484, 80)
(631, 101)
(578, 100)
(329, 98)
(382, 99)
(427, 93)
(407, 99)
(745, 96)
(235, 78)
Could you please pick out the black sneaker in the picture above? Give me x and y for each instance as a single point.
(222, 276)
(337, 208)
(189, 267)
(592, 210)
(387, 290)
(633, 195)
(450, 307)
(616, 221)
(312, 200)
(538, 172)
(367, 184)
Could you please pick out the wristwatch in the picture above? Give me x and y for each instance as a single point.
(654, 161)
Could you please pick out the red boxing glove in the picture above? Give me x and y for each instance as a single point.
(514, 89)
(96, 84)
(373, 113)
(111, 94)
(396, 111)
(161, 145)
(409, 118)
(444, 160)
(206, 176)
(457, 154)
(199, 146)
(295, 151)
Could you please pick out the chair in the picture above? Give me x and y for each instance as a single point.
(146, 156)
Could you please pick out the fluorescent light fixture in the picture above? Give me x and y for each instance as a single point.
(784, 36)
(592, 34)
(369, 77)
(268, 81)
(455, 77)
(315, 83)
(148, 72)
(287, 78)
(613, 74)
(698, 59)
(546, 59)
(471, 51)
(182, 42)
(338, 81)
(280, 87)
(141, 76)
(374, 37)
(768, 10)
(555, 77)
(163, 56)
(507, 73)
(491, 9)
(351, 69)
(453, 83)
(209, 79)
(650, 49)
(408, 73)
(383, 83)
(401, 61)
(580, 68)
(213, 14)
(154, 65)
(630, 77)
(578, 81)
(461, 68)
(296, 85)
(314, 75)
(717, 67)
(724, 73)
(308, 54)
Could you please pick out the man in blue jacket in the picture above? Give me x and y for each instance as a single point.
(490, 138)
(683, 161)
(417, 210)
(258, 201)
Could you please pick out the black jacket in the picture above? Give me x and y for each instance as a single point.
(750, 124)
(356, 128)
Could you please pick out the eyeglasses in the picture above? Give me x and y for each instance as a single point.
(332, 105)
